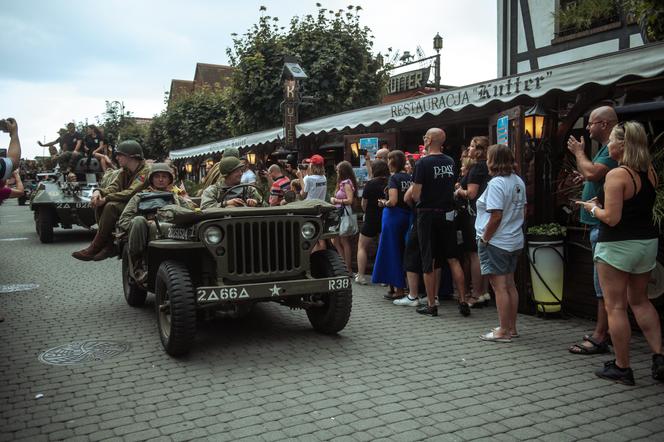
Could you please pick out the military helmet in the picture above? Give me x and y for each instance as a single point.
(160, 167)
(228, 165)
(131, 148)
(231, 152)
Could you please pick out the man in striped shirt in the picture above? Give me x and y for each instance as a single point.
(278, 183)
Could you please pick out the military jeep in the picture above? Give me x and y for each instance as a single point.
(61, 200)
(228, 259)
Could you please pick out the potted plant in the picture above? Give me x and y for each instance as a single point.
(547, 264)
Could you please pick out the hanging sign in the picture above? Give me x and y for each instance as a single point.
(502, 130)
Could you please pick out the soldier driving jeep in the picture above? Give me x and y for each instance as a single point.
(222, 194)
(143, 228)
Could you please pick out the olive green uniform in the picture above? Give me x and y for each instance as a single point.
(117, 194)
(212, 195)
(139, 229)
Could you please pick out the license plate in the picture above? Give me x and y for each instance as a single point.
(271, 290)
(72, 205)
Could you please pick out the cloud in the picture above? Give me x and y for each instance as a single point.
(65, 58)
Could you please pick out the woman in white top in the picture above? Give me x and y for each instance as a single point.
(499, 227)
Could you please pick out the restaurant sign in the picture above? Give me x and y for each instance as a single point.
(475, 95)
(408, 81)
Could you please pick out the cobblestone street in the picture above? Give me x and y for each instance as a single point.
(390, 374)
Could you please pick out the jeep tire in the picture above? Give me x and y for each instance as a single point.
(134, 295)
(44, 222)
(334, 315)
(176, 308)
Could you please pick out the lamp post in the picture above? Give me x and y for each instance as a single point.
(534, 120)
(251, 158)
(437, 45)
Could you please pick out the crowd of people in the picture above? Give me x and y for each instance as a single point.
(422, 218)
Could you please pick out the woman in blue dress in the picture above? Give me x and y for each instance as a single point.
(388, 268)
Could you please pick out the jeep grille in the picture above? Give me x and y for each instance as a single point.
(264, 247)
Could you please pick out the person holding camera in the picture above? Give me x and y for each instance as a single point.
(9, 164)
(9, 192)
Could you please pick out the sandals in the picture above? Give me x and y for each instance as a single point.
(595, 347)
(493, 337)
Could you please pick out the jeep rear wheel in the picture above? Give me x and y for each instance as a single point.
(176, 308)
(333, 316)
(44, 223)
(134, 295)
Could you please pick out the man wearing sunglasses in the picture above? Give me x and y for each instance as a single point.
(600, 123)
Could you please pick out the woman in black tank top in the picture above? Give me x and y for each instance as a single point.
(626, 250)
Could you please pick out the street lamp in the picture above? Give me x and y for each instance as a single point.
(189, 168)
(380, 60)
(251, 158)
(437, 45)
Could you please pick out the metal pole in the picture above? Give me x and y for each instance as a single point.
(437, 68)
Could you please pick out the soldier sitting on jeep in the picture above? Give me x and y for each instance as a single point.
(141, 229)
(110, 201)
(222, 194)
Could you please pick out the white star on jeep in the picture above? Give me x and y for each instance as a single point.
(275, 290)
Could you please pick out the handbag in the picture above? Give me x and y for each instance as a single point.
(348, 224)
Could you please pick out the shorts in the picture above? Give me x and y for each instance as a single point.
(594, 234)
(412, 261)
(437, 238)
(497, 261)
(634, 256)
(370, 230)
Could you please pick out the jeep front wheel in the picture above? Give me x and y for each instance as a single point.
(134, 295)
(176, 308)
(45, 221)
(334, 314)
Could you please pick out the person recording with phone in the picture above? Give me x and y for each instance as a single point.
(9, 164)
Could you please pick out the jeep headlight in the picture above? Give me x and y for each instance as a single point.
(308, 230)
(213, 235)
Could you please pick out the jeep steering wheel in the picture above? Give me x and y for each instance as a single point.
(244, 192)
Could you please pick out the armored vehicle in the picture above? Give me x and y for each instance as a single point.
(64, 200)
(226, 260)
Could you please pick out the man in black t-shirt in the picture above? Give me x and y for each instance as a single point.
(433, 192)
(70, 147)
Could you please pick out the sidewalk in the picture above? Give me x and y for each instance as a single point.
(391, 373)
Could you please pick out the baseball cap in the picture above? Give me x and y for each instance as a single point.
(315, 159)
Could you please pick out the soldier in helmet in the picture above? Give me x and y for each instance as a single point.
(110, 201)
(212, 175)
(141, 229)
(230, 170)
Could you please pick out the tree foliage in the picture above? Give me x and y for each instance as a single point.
(196, 118)
(333, 48)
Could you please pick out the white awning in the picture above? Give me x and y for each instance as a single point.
(255, 138)
(646, 61)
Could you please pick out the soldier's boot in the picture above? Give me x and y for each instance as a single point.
(89, 252)
(107, 251)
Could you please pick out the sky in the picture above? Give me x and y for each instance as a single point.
(60, 60)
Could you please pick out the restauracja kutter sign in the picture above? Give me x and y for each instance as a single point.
(471, 95)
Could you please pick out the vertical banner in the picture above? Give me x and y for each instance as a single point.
(502, 133)
(290, 113)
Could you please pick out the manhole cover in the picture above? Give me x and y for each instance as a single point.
(82, 352)
(10, 288)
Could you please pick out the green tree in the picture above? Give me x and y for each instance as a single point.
(196, 118)
(335, 52)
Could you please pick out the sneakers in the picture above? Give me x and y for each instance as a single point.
(614, 373)
(423, 301)
(658, 367)
(426, 310)
(406, 300)
(361, 279)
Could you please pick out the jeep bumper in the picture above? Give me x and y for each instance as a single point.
(271, 290)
